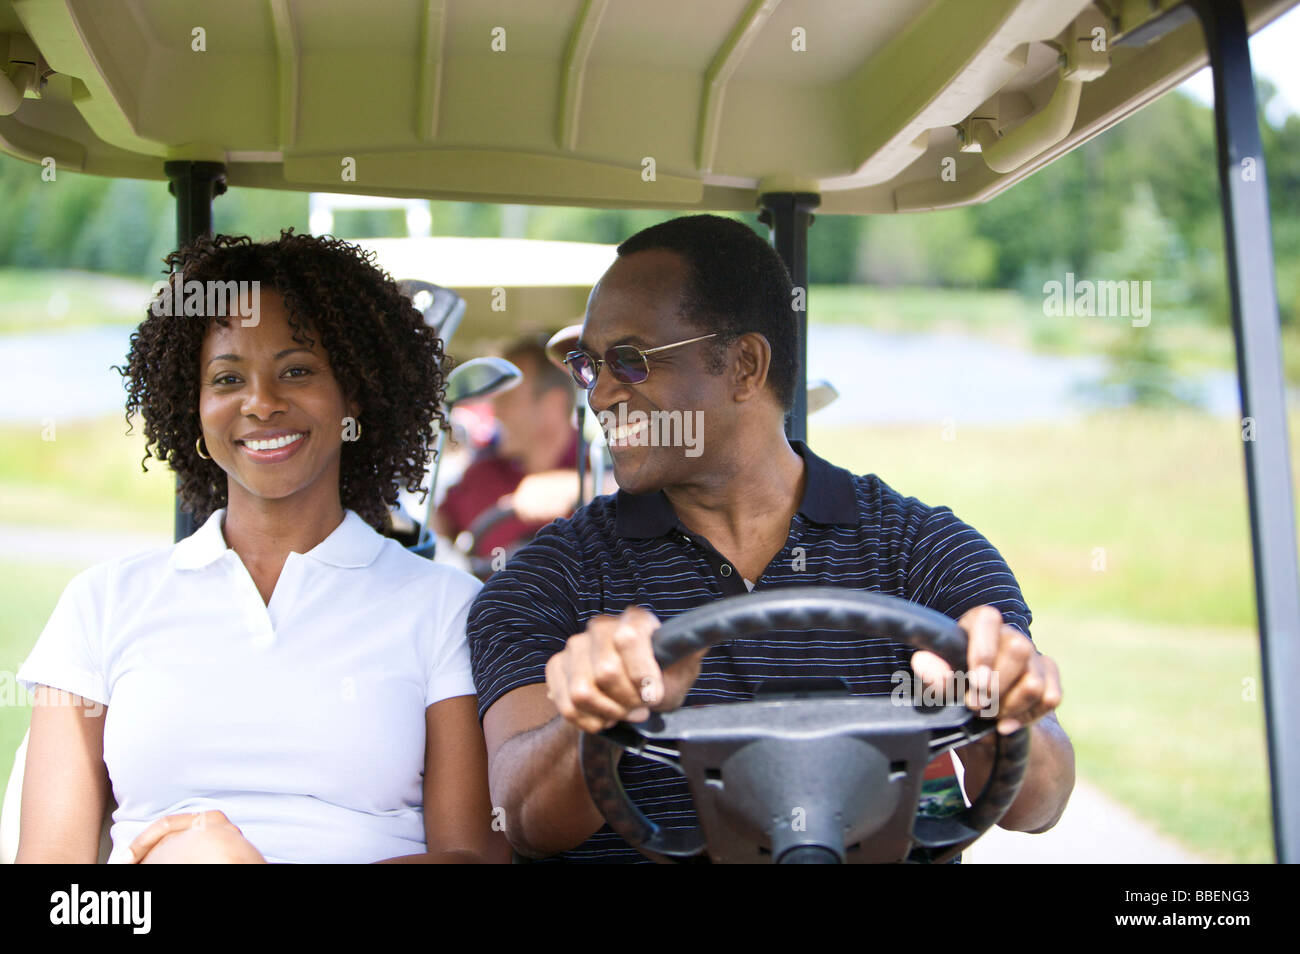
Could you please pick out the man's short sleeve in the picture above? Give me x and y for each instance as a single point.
(953, 568)
(523, 616)
(449, 672)
(68, 655)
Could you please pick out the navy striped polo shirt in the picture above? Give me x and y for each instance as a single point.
(624, 549)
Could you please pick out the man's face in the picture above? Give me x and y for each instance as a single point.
(516, 410)
(256, 384)
(528, 416)
(636, 302)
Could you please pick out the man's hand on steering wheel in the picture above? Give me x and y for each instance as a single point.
(1006, 677)
(608, 673)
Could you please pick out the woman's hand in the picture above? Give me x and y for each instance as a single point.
(194, 838)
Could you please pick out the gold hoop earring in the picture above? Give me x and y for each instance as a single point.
(358, 437)
(198, 448)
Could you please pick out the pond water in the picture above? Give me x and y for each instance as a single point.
(62, 375)
(896, 378)
(881, 377)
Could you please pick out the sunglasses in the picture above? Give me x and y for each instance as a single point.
(626, 362)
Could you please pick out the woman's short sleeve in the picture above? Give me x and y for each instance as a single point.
(68, 654)
(449, 671)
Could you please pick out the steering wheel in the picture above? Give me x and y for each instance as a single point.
(805, 777)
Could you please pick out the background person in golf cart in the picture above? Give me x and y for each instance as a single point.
(751, 512)
(528, 476)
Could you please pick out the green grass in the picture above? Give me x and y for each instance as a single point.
(1153, 648)
(87, 476)
(53, 300)
(28, 594)
(1168, 720)
(1159, 497)
(920, 309)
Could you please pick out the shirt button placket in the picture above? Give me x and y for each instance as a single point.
(256, 615)
(259, 622)
(263, 635)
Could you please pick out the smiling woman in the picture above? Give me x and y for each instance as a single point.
(274, 419)
(342, 317)
(286, 684)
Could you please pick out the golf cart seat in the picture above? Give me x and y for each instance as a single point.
(11, 812)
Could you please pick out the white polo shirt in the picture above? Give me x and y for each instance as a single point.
(303, 721)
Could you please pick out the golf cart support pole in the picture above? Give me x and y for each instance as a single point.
(1249, 248)
(788, 215)
(195, 185)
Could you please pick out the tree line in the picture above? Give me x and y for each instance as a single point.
(1145, 191)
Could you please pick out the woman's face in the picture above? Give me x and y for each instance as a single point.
(271, 409)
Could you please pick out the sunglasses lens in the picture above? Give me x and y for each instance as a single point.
(582, 368)
(627, 364)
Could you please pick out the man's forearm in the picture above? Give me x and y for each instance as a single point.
(1049, 777)
(538, 780)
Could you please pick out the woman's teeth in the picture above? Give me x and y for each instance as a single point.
(273, 443)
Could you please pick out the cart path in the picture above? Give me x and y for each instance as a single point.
(72, 548)
(1095, 829)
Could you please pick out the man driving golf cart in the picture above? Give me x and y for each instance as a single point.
(693, 323)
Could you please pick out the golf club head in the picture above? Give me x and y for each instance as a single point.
(820, 394)
(478, 378)
(442, 308)
(561, 343)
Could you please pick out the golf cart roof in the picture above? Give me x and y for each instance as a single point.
(675, 104)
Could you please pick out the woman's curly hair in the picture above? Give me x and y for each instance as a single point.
(381, 352)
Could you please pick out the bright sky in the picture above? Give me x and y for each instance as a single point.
(1272, 54)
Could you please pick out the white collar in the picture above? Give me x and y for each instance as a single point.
(353, 543)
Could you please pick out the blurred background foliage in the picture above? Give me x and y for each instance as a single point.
(1143, 193)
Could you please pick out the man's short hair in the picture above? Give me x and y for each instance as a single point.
(736, 283)
(530, 356)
